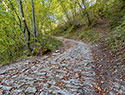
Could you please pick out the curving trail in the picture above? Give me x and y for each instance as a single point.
(67, 71)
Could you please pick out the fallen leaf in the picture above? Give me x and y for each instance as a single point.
(1, 92)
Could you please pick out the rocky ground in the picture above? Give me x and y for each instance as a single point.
(68, 71)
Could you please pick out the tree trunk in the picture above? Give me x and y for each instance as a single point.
(81, 9)
(89, 22)
(25, 26)
(34, 21)
(65, 12)
(18, 18)
(28, 15)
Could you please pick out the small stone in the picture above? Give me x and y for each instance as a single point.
(17, 85)
(63, 92)
(44, 73)
(66, 81)
(1, 86)
(18, 91)
(30, 79)
(71, 86)
(55, 87)
(9, 81)
(87, 82)
(6, 88)
(61, 71)
(21, 76)
(51, 82)
(64, 65)
(59, 76)
(42, 93)
(77, 70)
(57, 51)
(21, 93)
(102, 82)
(111, 93)
(30, 90)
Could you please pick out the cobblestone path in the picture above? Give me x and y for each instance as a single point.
(67, 71)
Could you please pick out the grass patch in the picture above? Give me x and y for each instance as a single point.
(89, 35)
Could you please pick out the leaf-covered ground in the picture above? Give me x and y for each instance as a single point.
(68, 71)
(110, 73)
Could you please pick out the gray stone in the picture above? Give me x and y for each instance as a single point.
(63, 92)
(51, 82)
(117, 85)
(32, 67)
(21, 93)
(77, 70)
(30, 90)
(88, 82)
(87, 68)
(123, 87)
(66, 81)
(89, 73)
(71, 86)
(41, 77)
(17, 85)
(17, 91)
(29, 78)
(61, 71)
(90, 78)
(21, 76)
(1, 85)
(44, 73)
(38, 73)
(55, 87)
(111, 93)
(64, 65)
(75, 81)
(59, 76)
(6, 88)
(42, 93)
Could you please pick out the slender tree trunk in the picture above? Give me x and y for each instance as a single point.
(81, 9)
(15, 11)
(34, 21)
(25, 26)
(75, 8)
(73, 15)
(89, 22)
(87, 15)
(18, 19)
(20, 29)
(28, 15)
(65, 12)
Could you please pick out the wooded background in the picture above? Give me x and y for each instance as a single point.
(26, 25)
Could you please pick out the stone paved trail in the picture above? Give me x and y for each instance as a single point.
(67, 71)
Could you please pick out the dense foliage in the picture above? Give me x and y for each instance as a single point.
(107, 26)
(25, 25)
